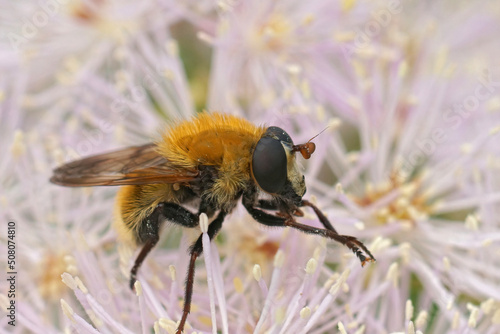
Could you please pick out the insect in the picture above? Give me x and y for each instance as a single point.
(211, 161)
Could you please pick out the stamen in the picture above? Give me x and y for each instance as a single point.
(238, 285)
(257, 272)
(81, 286)
(487, 306)
(67, 310)
(173, 272)
(169, 325)
(305, 312)
(311, 266)
(411, 328)
(473, 317)
(393, 274)
(138, 288)
(209, 266)
(408, 310)
(341, 328)
(421, 320)
(361, 330)
(273, 289)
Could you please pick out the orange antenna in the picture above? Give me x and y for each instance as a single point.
(308, 148)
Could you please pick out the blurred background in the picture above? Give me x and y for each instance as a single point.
(409, 164)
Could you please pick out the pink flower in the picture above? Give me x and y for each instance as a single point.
(408, 164)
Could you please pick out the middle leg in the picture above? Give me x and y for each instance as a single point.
(149, 229)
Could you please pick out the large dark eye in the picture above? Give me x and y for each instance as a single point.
(269, 164)
(279, 133)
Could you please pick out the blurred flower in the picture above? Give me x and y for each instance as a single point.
(408, 164)
(119, 50)
(269, 52)
(417, 166)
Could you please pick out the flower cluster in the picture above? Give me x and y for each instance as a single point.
(409, 94)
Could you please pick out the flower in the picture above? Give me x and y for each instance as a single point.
(408, 164)
(121, 50)
(270, 52)
(420, 174)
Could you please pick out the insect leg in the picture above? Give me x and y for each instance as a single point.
(148, 246)
(352, 243)
(268, 204)
(262, 216)
(322, 218)
(195, 251)
(150, 228)
(348, 239)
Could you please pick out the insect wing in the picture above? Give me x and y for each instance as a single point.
(131, 165)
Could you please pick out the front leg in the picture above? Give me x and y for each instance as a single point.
(268, 204)
(265, 218)
(273, 205)
(322, 218)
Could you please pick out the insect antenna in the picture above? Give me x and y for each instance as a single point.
(308, 148)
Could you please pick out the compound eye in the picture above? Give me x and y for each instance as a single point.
(269, 165)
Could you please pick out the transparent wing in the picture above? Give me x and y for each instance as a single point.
(131, 165)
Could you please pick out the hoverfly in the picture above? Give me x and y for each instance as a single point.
(213, 160)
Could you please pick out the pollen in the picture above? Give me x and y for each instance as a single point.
(361, 330)
(493, 104)
(305, 313)
(411, 328)
(456, 320)
(238, 285)
(496, 317)
(97, 14)
(396, 200)
(251, 247)
(206, 320)
(311, 266)
(167, 324)
(279, 259)
(474, 314)
(339, 282)
(341, 328)
(257, 272)
(279, 315)
(274, 34)
(68, 311)
(421, 320)
(50, 270)
(393, 274)
(408, 310)
(18, 147)
(85, 12)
